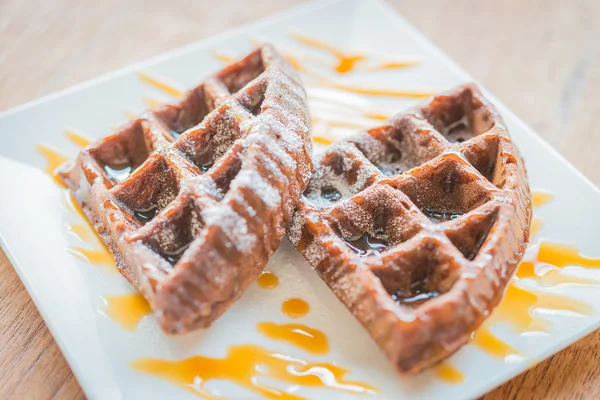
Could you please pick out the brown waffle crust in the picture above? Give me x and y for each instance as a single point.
(418, 225)
(215, 181)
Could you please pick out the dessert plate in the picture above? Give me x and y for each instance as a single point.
(360, 63)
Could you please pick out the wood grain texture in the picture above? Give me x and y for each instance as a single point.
(541, 58)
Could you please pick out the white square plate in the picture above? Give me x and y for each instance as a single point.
(70, 293)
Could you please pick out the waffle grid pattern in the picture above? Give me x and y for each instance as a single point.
(418, 225)
(193, 198)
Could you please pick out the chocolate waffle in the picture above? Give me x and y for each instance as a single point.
(418, 225)
(193, 198)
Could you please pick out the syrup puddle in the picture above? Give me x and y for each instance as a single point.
(366, 245)
(126, 310)
(245, 365)
(295, 308)
(267, 280)
(306, 338)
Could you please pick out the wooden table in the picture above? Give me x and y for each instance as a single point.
(540, 57)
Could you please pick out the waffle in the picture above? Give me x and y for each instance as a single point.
(418, 225)
(193, 198)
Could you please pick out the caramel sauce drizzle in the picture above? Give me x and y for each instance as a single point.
(92, 256)
(268, 280)
(151, 103)
(294, 62)
(127, 310)
(345, 62)
(99, 254)
(392, 65)
(84, 232)
(519, 303)
(240, 364)
(77, 138)
(130, 115)
(245, 365)
(322, 140)
(448, 373)
(413, 94)
(225, 58)
(541, 197)
(536, 225)
(562, 255)
(54, 160)
(161, 84)
(295, 308)
(306, 338)
(379, 117)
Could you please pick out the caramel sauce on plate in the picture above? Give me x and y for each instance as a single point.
(99, 253)
(225, 58)
(242, 362)
(306, 338)
(294, 62)
(93, 256)
(448, 373)
(54, 159)
(518, 306)
(540, 197)
(160, 83)
(562, 255)
(80, 231)
(379, 117)
(321, 140)
(536, 225)
(411, 94)
(130, 115)
(394, 65)
(76, 138)
(295, 308)
(268, 280)
(345, 62)
(484, 339)
(126, 310)
(151, 102)
(245, 365)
